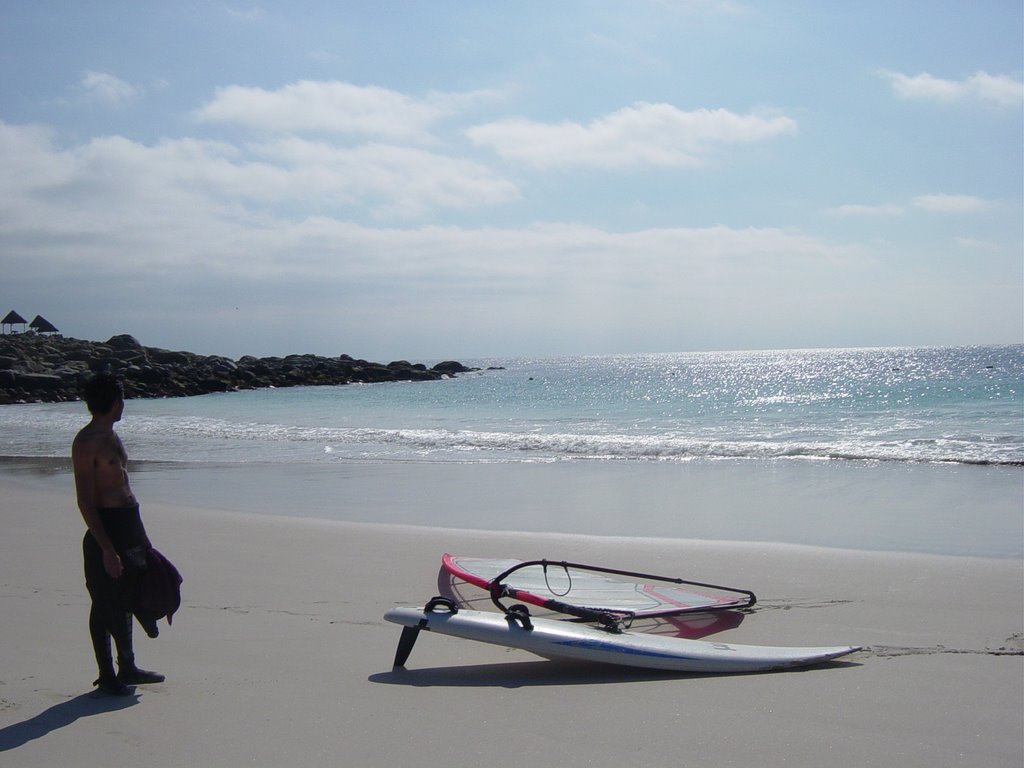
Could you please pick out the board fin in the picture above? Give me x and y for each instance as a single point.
(405, 644)
(409, 634)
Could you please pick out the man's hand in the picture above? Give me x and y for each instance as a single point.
(112, 563)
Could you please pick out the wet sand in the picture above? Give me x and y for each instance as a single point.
(279, 655)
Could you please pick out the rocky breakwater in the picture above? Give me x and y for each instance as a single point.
(37, 368)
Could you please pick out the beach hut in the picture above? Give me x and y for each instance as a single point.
(12, 319)
(41, 325)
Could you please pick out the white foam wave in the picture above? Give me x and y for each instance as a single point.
(537, 445)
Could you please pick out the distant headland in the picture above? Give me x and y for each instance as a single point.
(50, 368)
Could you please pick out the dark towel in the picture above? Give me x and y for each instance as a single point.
(157, 592)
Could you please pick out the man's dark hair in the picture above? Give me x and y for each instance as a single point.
(101, 392)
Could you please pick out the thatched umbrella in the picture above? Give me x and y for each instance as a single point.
(42, 325)
(12, 319)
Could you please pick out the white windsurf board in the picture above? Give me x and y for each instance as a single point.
(566, 640)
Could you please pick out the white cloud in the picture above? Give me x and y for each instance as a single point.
(1001, 90)
(184, 208)
(336, 108)
(392, 180)
(182, 232)
(169, 183)
(950, 203)
(104, 88)
(321, 56)
(251, 14)
(978, 245)
(644, 134)
(854, 209)
(726, 7)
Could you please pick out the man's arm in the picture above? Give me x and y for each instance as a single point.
(83, 459)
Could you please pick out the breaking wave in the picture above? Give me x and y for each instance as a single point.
(471, 445)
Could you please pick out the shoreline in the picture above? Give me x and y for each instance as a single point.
(50, 469)
(944, 510)
(281, 628)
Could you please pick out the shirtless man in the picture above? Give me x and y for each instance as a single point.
(115, 544)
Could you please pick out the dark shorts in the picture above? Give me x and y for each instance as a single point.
(123, 526)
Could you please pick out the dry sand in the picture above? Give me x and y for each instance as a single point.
(280, 657)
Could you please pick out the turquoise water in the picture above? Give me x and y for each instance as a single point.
(958, 405)
(911, 450)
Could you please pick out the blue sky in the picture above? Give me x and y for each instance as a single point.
(459, 179)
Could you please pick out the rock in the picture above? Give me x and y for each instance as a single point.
(130, 356)
(35, 368)
(124, 343)
(451, 367)
(166, 357)
(214, 385)
(38, 381)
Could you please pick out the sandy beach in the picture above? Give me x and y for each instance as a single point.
(279, 655)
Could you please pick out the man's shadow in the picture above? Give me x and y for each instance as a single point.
(60, 716)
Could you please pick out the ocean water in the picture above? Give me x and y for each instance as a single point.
(958, 405)
(909, 450)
